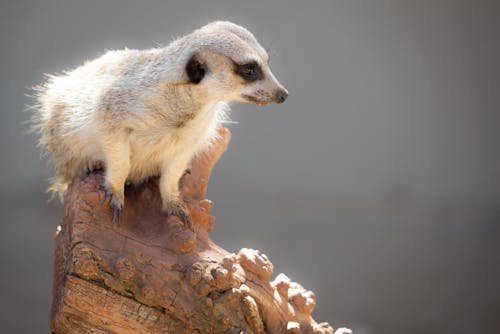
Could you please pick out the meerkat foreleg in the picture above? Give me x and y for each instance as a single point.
(116, 150)
(171, 173)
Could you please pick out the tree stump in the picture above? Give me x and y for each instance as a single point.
(152, 274)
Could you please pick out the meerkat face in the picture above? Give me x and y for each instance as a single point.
(233, 66)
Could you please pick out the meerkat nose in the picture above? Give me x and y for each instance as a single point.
(281, 95)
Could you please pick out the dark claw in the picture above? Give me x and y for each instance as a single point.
(179, 210)
(116, 206)
(117, 213)
(107, 195)
(186, 219)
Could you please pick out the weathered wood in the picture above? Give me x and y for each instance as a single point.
(151, 274)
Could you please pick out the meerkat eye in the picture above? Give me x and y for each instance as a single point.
(250, 72)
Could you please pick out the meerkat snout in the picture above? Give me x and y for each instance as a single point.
(260, 85)
(281, 96)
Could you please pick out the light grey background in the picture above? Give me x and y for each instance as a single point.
(376, 185)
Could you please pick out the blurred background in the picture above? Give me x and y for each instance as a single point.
(376, 185)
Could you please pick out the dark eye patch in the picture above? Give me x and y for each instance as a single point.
(249, 72)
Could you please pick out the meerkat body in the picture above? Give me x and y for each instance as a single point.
(144, 113)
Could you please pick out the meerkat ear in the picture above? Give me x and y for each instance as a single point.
(195, 70)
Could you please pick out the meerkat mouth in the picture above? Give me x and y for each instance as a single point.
(261, 103)
(252, 99)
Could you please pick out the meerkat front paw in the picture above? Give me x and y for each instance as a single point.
(116, 202)
(178, 209)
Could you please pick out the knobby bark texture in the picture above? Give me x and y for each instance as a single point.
(152, 274)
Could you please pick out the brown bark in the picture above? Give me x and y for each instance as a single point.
(151, 274)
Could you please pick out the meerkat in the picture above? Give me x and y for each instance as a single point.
(146, 113)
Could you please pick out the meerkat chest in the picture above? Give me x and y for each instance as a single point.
(163, 143)
(155, 148)
(149, 155)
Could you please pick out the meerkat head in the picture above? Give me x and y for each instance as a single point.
(228, 61)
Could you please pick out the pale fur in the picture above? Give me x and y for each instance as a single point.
(136, 112)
